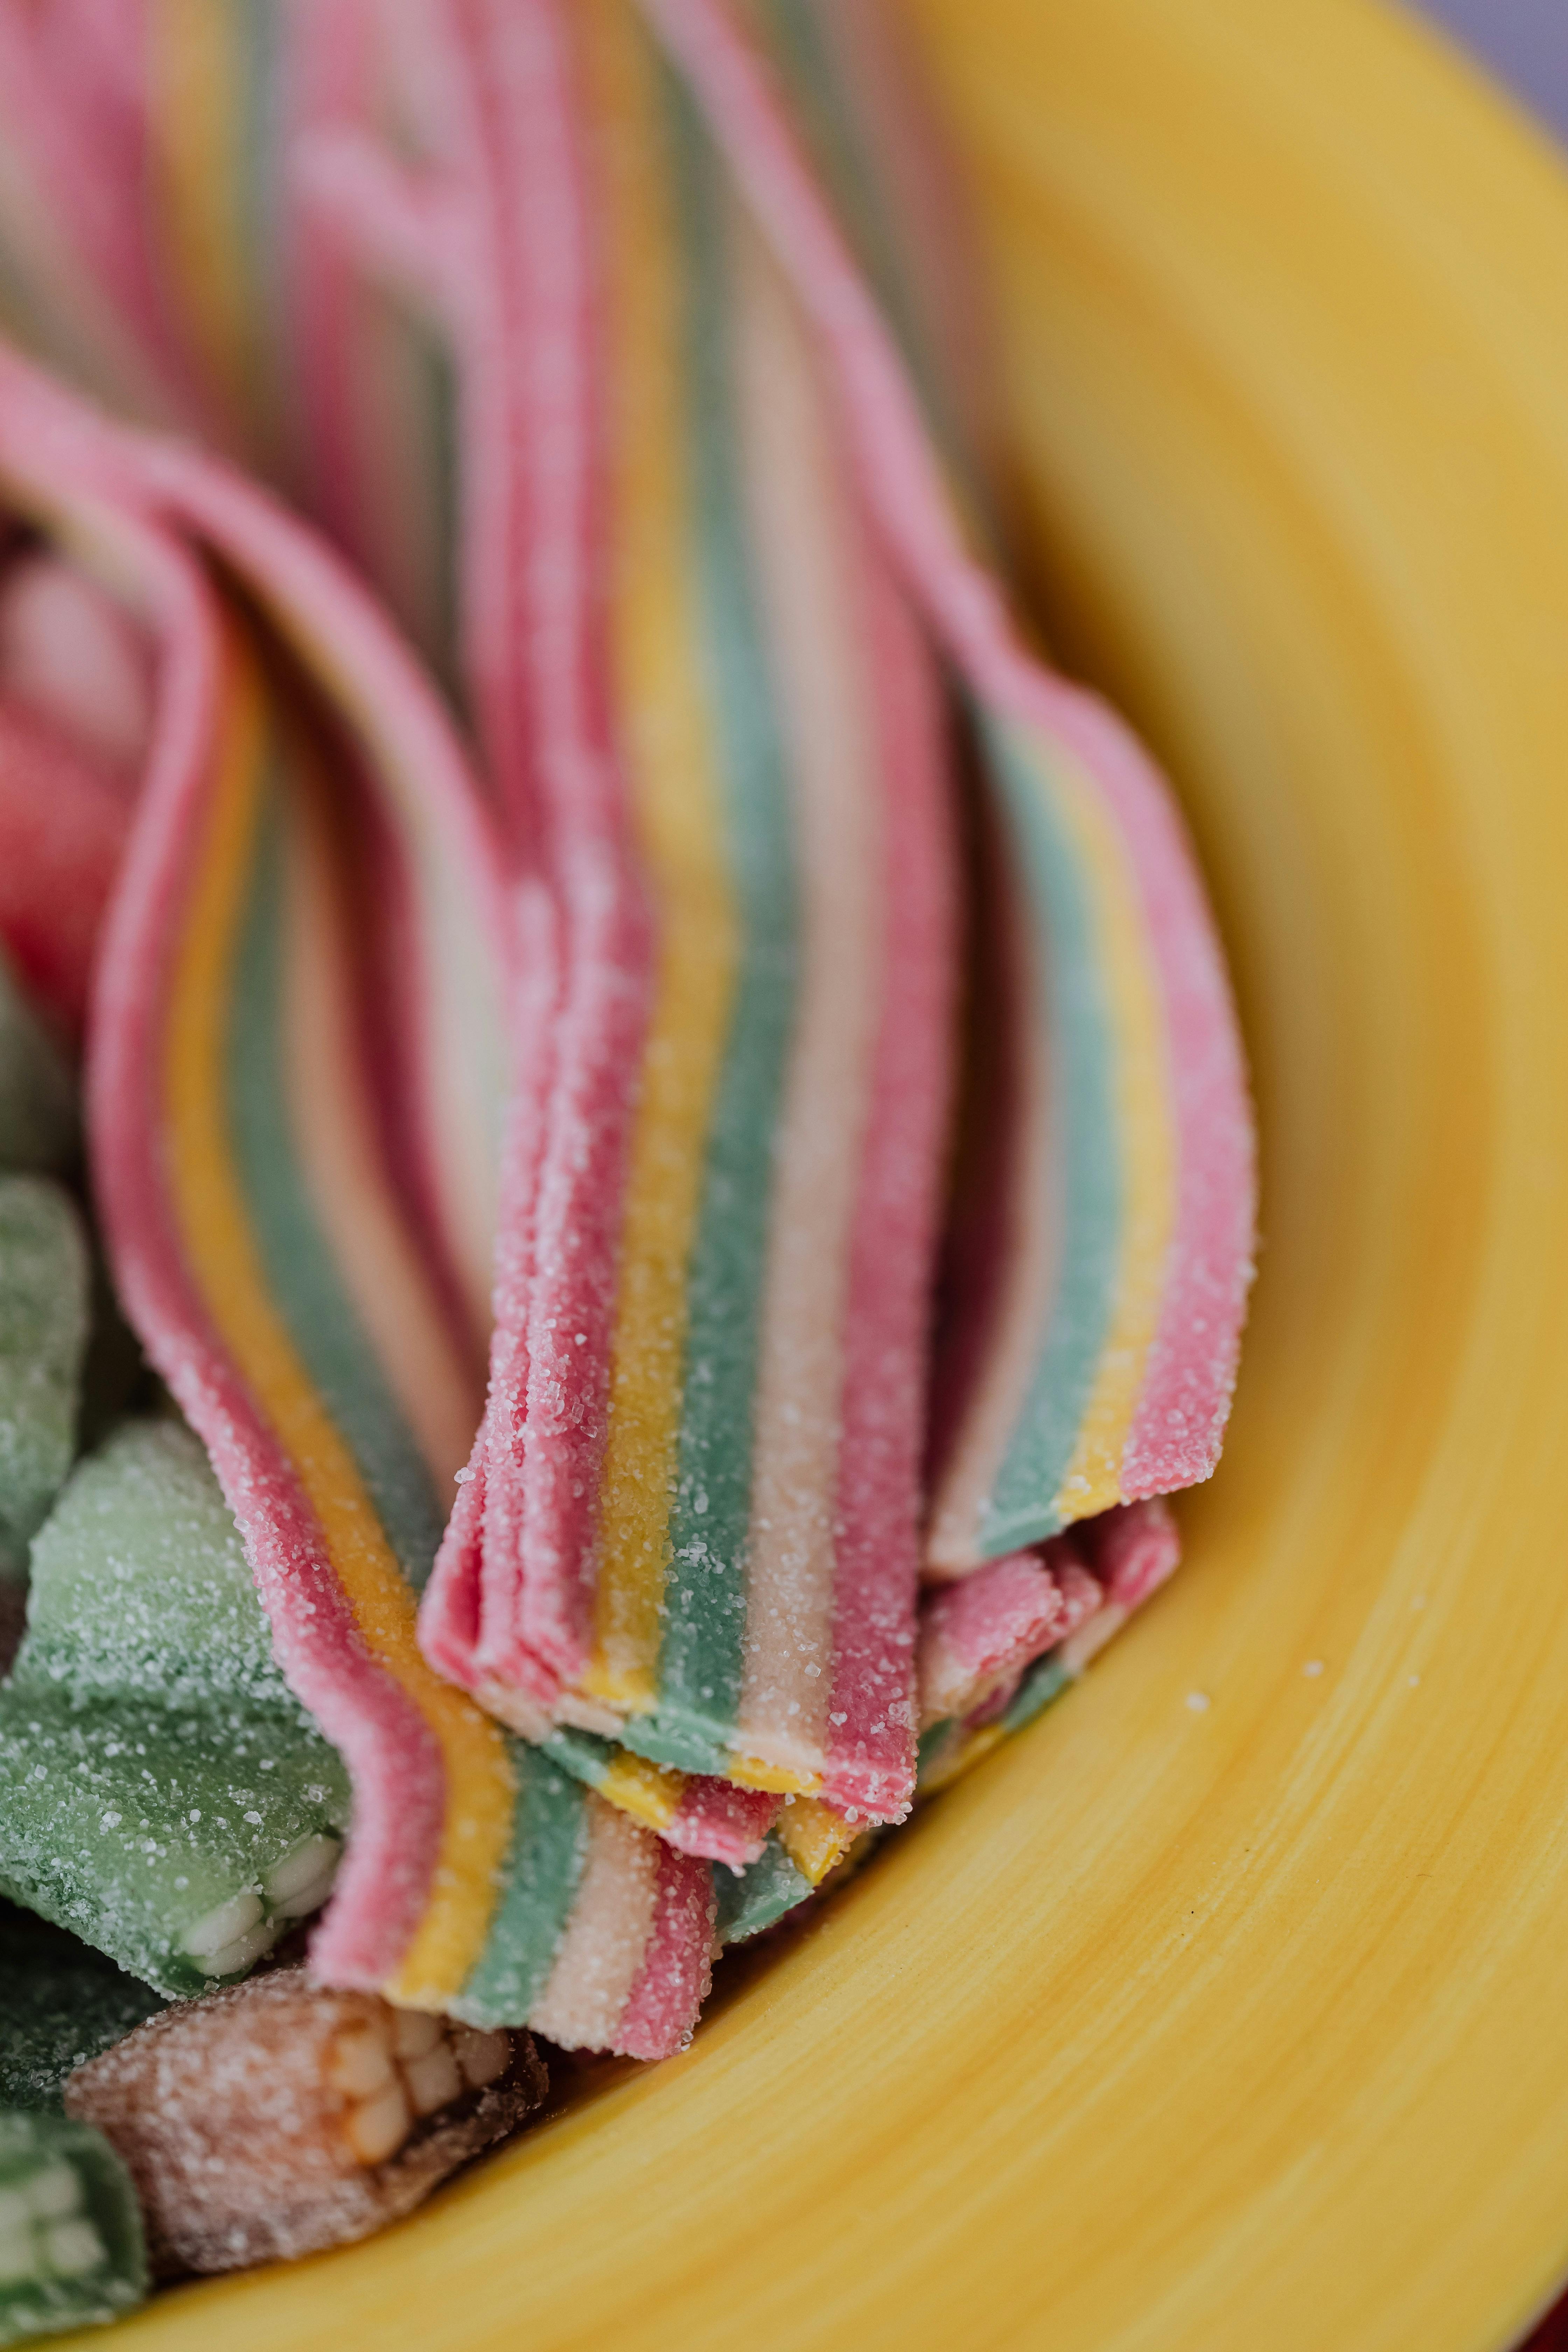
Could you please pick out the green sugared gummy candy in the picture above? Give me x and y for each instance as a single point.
(162, 1792)
(61, 2004)
(45, 1289)
(71, 2244)
(140, 1582)
(38, 1126)
(177, 1841)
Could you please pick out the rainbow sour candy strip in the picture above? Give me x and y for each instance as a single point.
(694, 1521)
(298, 1219)
(996, 1651)
(369, 367)
(1104, 1368)
(786, 969)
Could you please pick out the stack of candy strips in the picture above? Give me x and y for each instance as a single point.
(699, 1574)
(569, 1116)
(297, 1192)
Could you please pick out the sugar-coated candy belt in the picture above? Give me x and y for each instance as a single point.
(673, 525)
(1094, 1342)
(1091, 1350)
(696, 1518)
(276, 2118)
(293, 1086)
(1099, 1344)
(71, 2248)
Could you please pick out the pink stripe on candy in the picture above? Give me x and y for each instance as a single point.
(870, 1763)
(1081, 1594)
(721, 1823)
(1133, 1549)
(978, 1635)
(678, 1967)
(1002, 1616)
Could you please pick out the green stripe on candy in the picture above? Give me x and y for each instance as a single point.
(540, 1878)
(71, 2247)
(1043, 1681)
(747, 1901)
(701, 1656)
(299, 1269)
(1071, 1003)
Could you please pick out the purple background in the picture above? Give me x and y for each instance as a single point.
(1525, 41)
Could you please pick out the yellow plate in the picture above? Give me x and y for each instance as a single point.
(1244, 2027)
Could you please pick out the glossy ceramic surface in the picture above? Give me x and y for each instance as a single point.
(1187, 2027)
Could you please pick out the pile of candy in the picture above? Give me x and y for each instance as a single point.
(662, 1109)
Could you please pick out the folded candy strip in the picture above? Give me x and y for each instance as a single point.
(302, 223)
(693, 1521)
(297, 1217)
(1095, 1341)
(998, 1647)
(192, 307)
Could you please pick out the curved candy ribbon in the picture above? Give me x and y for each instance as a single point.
(296, 1202)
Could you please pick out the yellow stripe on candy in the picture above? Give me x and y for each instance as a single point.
(775, 1780)
(680, 816)
(197, 137)
(649, 1792)
(814, 1837)
(221, 1251)
(1145, 1118)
